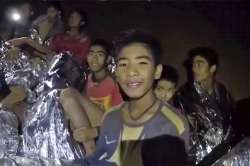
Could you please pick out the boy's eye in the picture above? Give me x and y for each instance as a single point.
(122, 64)
(100, 55)
(170, 89)
(143, 63)
(158, 87)
(199, 64)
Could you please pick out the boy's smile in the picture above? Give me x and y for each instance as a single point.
(134, 83)
(135, 70)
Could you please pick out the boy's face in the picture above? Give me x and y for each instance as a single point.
(202, 71)
(165, 90)
(74, 19)
(96, 58)
(136, 70)
(26, 10)
(52, 12)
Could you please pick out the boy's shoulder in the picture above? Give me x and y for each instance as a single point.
(39, 19)
(112, 120)
(173, 116)
(113, 112)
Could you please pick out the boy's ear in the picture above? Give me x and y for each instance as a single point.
(213, 69)
(109, 59)
(158, 71)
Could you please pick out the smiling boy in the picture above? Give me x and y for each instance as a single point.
(143, 116)
(86, 110)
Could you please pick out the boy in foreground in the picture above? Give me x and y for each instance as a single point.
(143, 116)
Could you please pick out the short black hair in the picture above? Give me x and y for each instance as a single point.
(169, 73)
(135, 36)
(82, 13)
(209, 54)
(103, 43)
(27, 2)
(22, 2)
(54, 4)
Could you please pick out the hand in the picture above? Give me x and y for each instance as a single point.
(86, 137)
(18, 41)
(89, 147)
(84, 134)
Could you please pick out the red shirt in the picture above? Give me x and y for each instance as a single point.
(77, 46)
(105, 93)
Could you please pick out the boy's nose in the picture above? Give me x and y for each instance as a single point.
(95, 57)
(163, 96)
(132, 71)
(195, 68)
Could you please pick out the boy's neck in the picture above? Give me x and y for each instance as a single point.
(74, 31)
(51, 20)
(100, 75)
(139, 105)
(208, 85)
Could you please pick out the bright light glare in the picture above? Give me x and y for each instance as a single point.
(16, 16)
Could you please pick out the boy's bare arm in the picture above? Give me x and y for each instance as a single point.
(26, 40)
(93, 111)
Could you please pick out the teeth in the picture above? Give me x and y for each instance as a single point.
(135, 84)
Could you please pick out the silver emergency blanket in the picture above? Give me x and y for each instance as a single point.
(34, 34)
(45, 131)
(22, 70)
(3, 47)
(208, 119)
(211, 134)
(238, 156)
(46, 139)
(14, 160)
(112, 65)
(9, 139)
